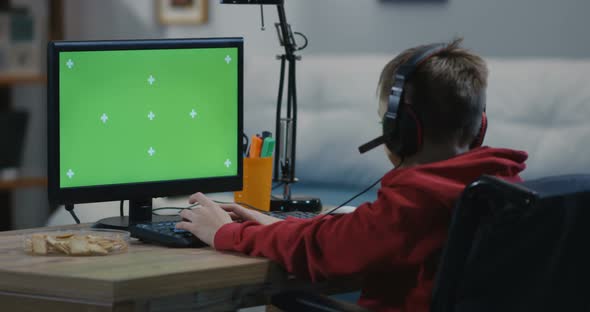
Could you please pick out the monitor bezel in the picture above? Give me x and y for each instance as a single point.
(139, 190)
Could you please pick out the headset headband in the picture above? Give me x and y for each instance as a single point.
(405, 72)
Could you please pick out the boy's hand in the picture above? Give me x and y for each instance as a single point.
(205, 220)
(239, 213)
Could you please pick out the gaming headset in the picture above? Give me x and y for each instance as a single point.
(402, 129)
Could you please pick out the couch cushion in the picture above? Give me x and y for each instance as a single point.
(538, 105)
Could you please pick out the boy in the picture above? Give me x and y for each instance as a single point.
(394, 242)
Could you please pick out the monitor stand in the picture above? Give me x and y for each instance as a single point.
(140, 211)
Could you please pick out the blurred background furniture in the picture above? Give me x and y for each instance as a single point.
(6, 189)
(28, 25)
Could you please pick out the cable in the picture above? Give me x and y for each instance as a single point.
(245, 146)
(252, 207)
(361, 193)
(242, 204)
(262, 18)
(354, 197)
(176, 208)
(197, 204)
(304, 38)
(121, 207)
(278, 185)
(165, 208)
(70, 208)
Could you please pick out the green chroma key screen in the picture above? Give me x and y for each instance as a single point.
(132, 116)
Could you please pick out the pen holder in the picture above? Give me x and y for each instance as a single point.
(257, 184)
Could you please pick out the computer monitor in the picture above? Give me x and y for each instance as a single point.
(139, 119)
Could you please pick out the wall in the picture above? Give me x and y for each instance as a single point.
(498, 28)
(495, 28)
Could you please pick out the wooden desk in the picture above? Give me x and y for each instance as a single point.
(124, 282)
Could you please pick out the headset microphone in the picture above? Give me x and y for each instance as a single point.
(371, 144)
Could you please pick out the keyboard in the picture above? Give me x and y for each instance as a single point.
(164, 233)
(295, 214)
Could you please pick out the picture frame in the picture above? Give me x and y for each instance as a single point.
(415, 1)
(23, 35)
(182, 12)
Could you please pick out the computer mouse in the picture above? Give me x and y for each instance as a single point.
(344, 209)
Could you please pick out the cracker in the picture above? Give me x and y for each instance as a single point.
(96, 249)
(64, 236)
(39, 244)
(72, 244)
(59, 245)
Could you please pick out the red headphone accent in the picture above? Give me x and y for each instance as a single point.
(418, 124)
(478, 140)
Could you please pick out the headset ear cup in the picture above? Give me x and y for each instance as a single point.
(410, 132)
(389, 134)
(478, 140)
(403, 136)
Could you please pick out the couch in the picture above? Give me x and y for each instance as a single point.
(537, 105)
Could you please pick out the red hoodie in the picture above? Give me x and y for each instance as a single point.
(393, 242)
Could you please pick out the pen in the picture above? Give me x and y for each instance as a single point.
(267, 147)
(246, 145)
(255, 146)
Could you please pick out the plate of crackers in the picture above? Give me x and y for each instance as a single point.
(91, 242)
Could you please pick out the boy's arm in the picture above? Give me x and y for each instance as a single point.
(392, 231)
